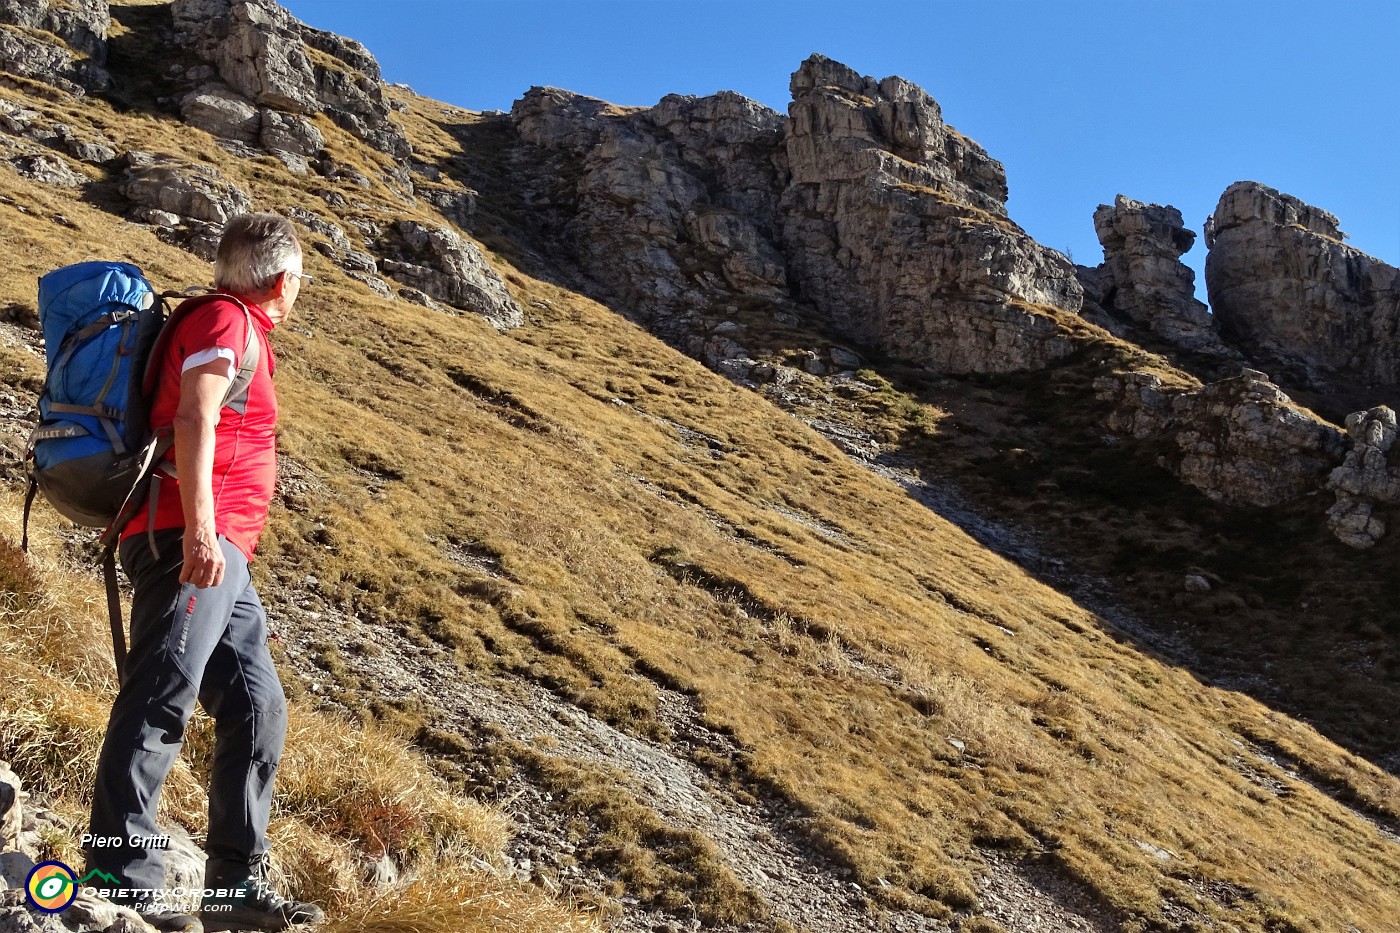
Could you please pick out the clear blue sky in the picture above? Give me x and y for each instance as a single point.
(1080, 99)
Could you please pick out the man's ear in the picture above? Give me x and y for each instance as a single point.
(279, 285)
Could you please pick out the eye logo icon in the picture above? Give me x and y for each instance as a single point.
(51, 887)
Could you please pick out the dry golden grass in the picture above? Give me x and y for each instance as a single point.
(838, 631)
(348, 794)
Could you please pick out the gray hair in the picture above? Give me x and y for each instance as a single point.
(254, 250)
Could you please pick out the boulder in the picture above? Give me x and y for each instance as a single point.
(1142, 278)
(287, 132)
(222, 112)
(17, 120)
(441, 265)
(1368, 481)
(1240, 441)
(1286, 289)
(14, 870)
(844, 358)
(97, 151)
(74, 62)
(192, 191)
(894, 225)
(49, 169)
(264, 54)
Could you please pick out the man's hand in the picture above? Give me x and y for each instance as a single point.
(204, 559)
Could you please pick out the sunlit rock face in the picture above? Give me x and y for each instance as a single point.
(1142, 278)
(58, 42)
(894, 225)
(861, 204)
(1290, 293)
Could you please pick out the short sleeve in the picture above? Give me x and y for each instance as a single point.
(200, 357)
(214, 325)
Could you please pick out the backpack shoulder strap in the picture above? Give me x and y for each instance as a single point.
(247, 366)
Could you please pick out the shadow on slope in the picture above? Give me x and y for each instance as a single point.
(1287, 613)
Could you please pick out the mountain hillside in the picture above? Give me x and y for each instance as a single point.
(699, 517)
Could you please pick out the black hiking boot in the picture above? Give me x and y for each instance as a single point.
(253, 904)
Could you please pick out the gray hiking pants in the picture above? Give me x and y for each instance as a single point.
(187, 644)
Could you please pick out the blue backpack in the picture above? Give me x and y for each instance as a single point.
(93, 451)
(100, 322)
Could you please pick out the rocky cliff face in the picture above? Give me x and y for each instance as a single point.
(59, 42)
(1240, 441)
(895, 228)
(862, 204)
(1142, 278)
(262, 77)
(269, 72)
(1289, 292)
(672, 209)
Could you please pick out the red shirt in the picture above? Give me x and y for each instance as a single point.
(245, 445)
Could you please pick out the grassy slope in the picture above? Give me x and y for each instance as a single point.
(841, 633)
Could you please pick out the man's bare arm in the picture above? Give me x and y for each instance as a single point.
(201, 396)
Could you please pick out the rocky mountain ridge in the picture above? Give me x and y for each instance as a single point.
(863, 210)
(802, 256)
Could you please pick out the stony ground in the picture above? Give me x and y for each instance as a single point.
(762, 842)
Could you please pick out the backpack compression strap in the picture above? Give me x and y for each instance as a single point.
(114, 608)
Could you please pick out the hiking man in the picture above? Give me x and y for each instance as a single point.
(198, 630)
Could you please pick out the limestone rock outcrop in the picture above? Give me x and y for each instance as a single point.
(187, 203)
(553, 118)
(20, 126)
(1368, 481)
(1142, 278)
(76, 61)
(1287, 290)
(442, 265)
(674, 209)
(895, 227)
(277, 71)
(862, 203)
(1241, 441)
(188, 190)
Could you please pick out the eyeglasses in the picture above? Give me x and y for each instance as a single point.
(306, 279)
